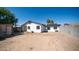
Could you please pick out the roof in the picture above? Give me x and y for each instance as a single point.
(28, 22)
(52, 25)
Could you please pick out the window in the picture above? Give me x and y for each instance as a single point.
(55, 27)
(38, 27)
(48, 28)
(28, 27)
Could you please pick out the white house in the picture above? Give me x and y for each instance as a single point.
(31, 26)
(53, 27)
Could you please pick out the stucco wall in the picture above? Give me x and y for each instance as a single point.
(53, 30)
(33, 27)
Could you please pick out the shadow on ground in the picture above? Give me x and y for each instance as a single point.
(2, 38)
(12, 35)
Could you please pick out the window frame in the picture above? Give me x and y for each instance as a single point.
(48, 28)
(37, 27)
(55, 27)
(28, 27)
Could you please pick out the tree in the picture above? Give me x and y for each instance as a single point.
(49, 21)
(6, 17)
(15, 22)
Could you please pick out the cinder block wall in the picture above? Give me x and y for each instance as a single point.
(5, 29)
(72, 30)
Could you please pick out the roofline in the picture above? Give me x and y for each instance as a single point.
(32, 22)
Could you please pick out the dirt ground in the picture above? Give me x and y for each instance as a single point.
(55, 41)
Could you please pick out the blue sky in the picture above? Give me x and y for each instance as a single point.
(60, 15)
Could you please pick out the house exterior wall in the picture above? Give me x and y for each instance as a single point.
(53, 30)
(33, 28)
(5, 29)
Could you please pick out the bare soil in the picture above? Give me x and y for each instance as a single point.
(55, 41)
